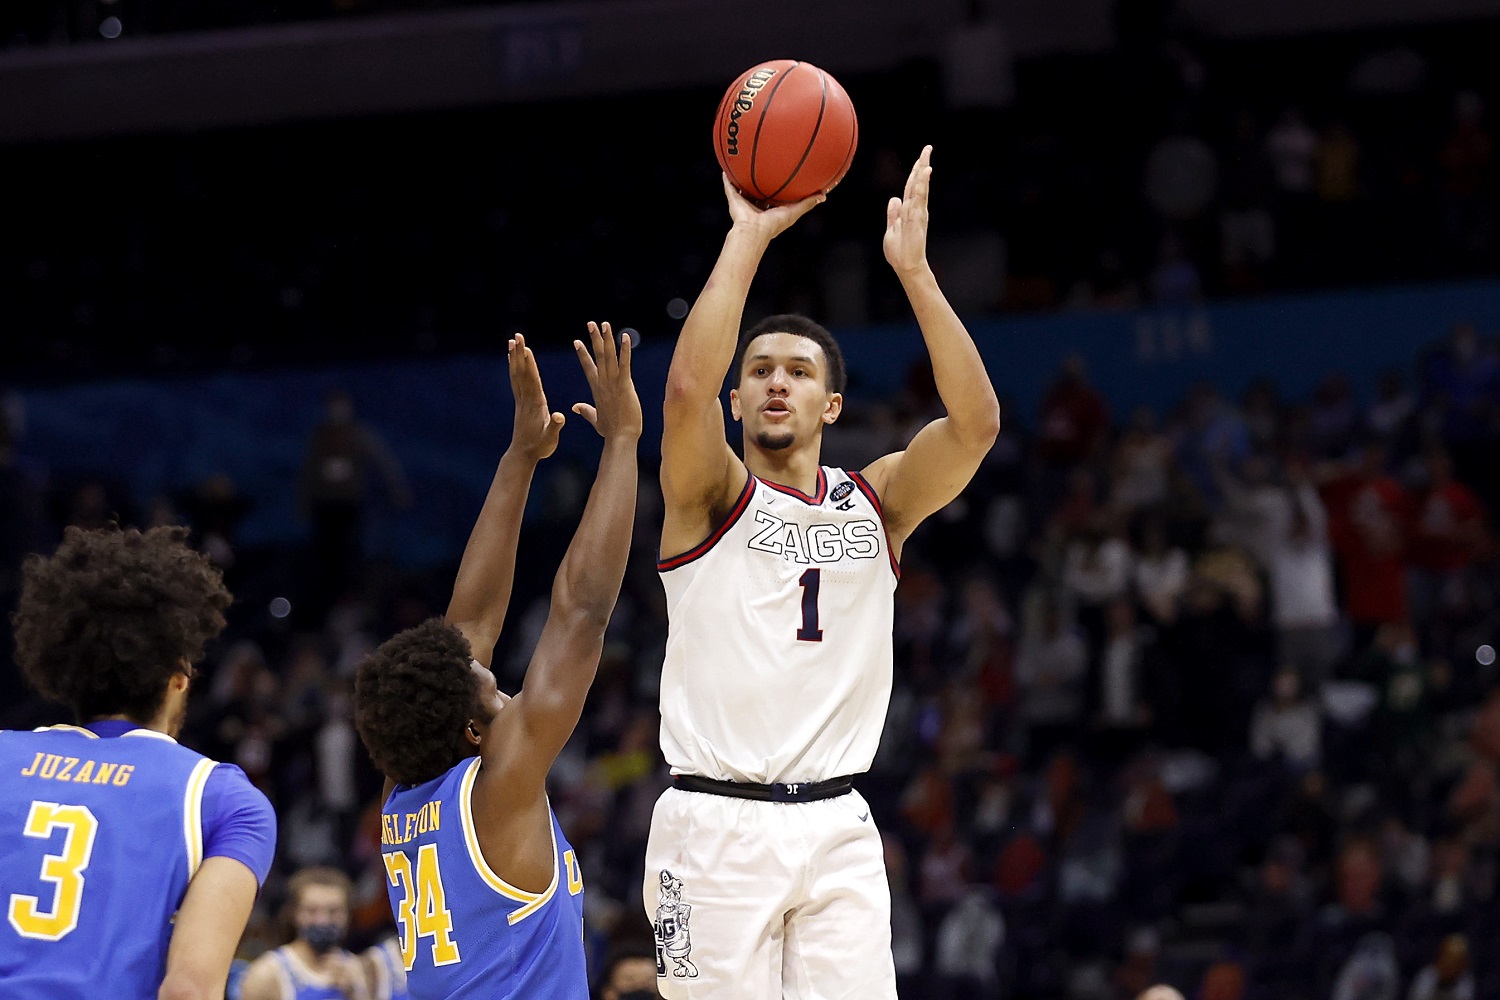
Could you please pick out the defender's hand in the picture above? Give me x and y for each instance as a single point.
(766, 223)
(536, 428)
(616, 412)
(906, 219)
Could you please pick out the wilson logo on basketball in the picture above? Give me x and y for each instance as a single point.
(743, 103)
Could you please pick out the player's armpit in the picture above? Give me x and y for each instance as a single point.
(207, 931)
(926, 477)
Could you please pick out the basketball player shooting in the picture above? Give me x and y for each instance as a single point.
(764, 874)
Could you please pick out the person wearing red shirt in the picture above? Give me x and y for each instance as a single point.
(1447, 532)
(1368, 522)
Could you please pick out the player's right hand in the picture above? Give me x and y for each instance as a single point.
(767, 223)
(535, 431)
(616, 411)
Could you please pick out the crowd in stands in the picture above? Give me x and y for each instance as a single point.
(1167, 170)
(1205, 697)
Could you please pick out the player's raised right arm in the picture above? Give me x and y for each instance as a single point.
(586, 586)
(698, 466)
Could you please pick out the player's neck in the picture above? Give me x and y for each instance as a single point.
(794, 467)
(158, 725)
(319, 963)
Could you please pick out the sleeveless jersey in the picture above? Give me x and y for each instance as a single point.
(467, 934)
(778, 659)
(101, 836)
(298, 982)
(390, 971)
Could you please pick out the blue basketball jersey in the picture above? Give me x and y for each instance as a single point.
(298, 982)
(467, 934)
(390, 971)
(98, 840)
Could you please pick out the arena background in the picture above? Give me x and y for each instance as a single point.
(1235, 271)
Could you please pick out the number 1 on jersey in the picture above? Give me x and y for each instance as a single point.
(810, 582)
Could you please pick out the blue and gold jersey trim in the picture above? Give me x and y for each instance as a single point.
(530, 901)
(192, 813)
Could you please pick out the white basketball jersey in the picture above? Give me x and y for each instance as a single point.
(778, 662)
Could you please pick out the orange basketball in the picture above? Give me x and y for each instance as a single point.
(785, 130)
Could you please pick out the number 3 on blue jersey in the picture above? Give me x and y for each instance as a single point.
(424, 905)
(64, 870)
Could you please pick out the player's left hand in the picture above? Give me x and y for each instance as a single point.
(537, 427)
(906, 219)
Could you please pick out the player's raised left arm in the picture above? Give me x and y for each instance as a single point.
(944, 455)
(481, 591)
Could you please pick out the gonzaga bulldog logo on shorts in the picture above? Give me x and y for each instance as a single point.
(672, 940)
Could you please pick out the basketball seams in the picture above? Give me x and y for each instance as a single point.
(765, 109)
(853, 138)
(812, 140)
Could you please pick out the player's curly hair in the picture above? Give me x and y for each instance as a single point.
(105, 621)
(834, 378)
(412, 697)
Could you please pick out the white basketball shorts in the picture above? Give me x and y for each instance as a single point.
(757, 900)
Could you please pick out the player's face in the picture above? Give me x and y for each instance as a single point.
(632, 975)
(783, 398)
(322, 905)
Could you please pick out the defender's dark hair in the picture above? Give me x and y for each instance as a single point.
(800, 326)
(105, 621)
(412, 697)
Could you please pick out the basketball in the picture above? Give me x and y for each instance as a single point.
(785, 130)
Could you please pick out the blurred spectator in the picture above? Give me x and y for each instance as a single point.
(1175, 280)
(1288, 726)
(1461, 391)
(1051, 666)
(1292, 146)
(1213, 435)
(1224, 980)
(1368, 512)
(969, 940)
(1160, 575)
(215, 509)
(1447, 536)
(1124, 711)
(1286, 527)
(1334, 417)
(1389, 415)
(1096, 570)
(1140, 464)
(1448, 976)
(1467, 158)
(1138, 969)
(341, 457)
(1247, 228)
(1074, 418)
(906, 918)
(1371, 973)
(630, 975)
(1402, 720)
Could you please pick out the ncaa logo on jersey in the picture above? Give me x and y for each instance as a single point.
(841, 490)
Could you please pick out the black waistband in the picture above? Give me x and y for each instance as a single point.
(781, 791)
